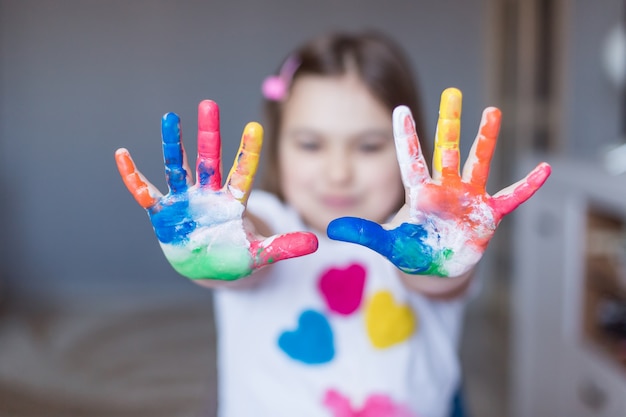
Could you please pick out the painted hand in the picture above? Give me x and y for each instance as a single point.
(448, 218)
(201, 226)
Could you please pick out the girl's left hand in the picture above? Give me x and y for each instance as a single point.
(448, 219)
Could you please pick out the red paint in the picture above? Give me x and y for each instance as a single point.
(209, 143)
(413, 143)
(409, 128)
(418, 165)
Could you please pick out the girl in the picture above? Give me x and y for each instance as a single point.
(342, 331)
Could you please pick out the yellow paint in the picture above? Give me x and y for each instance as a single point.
(388, 323)
(448, 128)
(242, 173)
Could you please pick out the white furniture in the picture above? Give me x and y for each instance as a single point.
(569, 273)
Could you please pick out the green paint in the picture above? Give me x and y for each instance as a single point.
(436, 268)
(220, 264)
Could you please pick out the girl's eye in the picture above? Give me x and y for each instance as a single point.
(371, 147)
(373, 142)
(305, 140)
(309, 146)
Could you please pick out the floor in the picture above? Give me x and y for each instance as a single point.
(44, 374)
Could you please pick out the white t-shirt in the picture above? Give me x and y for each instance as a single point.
(333, 334)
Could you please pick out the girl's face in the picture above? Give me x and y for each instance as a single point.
(336, 152)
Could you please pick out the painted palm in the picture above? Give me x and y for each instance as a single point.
(201, 226)
(449, 218)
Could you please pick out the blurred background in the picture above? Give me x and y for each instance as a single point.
(94, 322)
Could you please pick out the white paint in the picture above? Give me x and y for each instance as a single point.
(412, 167)
(208, 207)
(236, 192)
(450, 235)
(219, 219)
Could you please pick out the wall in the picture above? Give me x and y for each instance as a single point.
(79, 79)
(592, 108)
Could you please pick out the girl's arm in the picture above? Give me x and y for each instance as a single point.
(441, 233)
(202, 226)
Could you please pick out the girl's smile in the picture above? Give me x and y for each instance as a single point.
(339, 202)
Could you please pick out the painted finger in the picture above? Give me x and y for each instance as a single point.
(280, 247)
(208, 167)
(446, 157)
(404, 246)
(511, 197)
(145, 193)
(173, 154)
(476, 169)
(241, 176)
(409, 153)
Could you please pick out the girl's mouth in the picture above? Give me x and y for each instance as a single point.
(339, 202)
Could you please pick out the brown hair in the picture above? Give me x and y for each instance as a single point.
(379, 62)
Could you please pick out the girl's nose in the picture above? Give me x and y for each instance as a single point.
(339, 167)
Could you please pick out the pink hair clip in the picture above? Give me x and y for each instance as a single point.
(275, 86)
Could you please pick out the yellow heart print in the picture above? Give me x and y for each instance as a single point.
(388, 323)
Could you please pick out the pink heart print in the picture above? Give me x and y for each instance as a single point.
(376, 405)
(343, 288)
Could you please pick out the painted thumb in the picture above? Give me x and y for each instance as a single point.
(360, 231)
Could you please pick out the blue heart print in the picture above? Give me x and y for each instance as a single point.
(312, 342)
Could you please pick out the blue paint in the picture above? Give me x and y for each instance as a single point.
(205, 173)
(312, 342)
(404, 246)
(173, 153)
(171, 219)
(170, 216)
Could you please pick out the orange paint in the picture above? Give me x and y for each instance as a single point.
(133, 181)
(450, 161)
(457, 201)
(485, 147)
(452, 137)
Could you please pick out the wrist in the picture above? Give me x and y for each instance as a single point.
(436, 287)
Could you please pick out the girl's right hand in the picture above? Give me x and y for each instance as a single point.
(201, 226)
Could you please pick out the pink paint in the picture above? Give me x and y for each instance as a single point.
(343, 288)
(376, 405)
(280, 247)
(523, 190)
